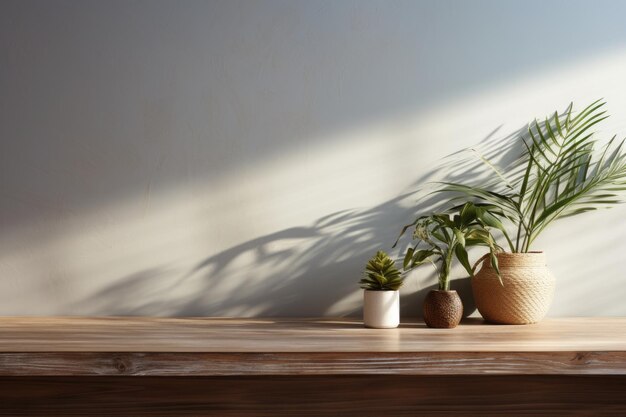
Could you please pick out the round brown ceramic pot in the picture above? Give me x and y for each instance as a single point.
(525, 294)
(442, 309)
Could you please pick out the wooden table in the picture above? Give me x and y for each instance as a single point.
(309, 367)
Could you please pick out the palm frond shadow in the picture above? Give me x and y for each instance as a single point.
(310, 270)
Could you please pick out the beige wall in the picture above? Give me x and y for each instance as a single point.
(246, 158)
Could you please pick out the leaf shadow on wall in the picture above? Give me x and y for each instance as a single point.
(316, 267)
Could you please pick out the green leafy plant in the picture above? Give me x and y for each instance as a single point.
(381, 274)
(560, 174)
(445, 237)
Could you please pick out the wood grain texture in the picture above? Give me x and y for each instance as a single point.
(133, 334)
(388, 396)
(341, 363)
(238, 347)
(237, 367)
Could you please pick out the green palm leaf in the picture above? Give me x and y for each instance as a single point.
(562, 176)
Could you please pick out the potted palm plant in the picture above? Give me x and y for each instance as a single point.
(381, 300)
(445, 237)
(560, 173)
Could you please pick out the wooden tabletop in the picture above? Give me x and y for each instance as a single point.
(220, 346)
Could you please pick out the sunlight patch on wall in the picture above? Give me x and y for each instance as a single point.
(288, 235)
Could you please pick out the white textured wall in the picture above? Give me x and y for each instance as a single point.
(246, 158)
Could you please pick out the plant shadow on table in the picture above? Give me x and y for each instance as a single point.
(309, 270)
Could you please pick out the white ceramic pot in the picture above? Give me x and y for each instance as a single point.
(381, 309)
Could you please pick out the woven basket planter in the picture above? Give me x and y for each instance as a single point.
(526, 294)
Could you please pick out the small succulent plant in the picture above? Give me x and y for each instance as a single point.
(381, 274)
